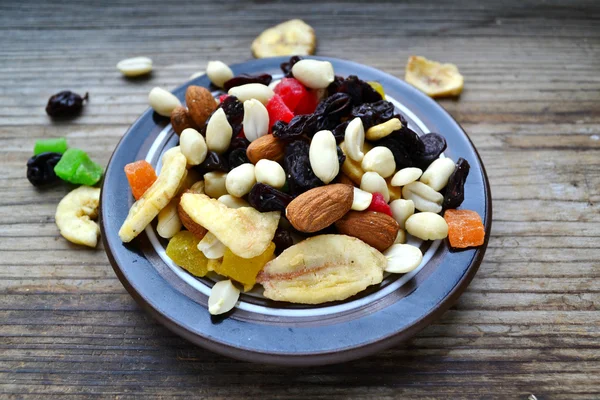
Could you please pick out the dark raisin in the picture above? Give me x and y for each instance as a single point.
(334, 86)
(237, 157)
(434, 145)
(374, 113)
(245, 79)
(282, 239)
(455, 189)
(405, 145)
(213, 162)
(298, 126)
(330, 111)
(340, 132)
(286, 67)
(40, 168)
(359, 91)
(65, 104)
(234, 111)
(297, 167)
(266, 198)
(341, 156)
(239, 143)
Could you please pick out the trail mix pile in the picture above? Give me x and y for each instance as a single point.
(307, 185)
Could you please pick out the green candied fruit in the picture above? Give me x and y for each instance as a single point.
(58, 145)
(76, 167)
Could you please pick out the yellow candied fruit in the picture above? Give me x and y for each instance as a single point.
(213, 265)
(244, 270)
(378, 88)
(183, 250)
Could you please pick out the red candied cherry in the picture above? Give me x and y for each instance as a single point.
(222, 97)
(291, 92)
(308, 103)
(278, 111)
(378, 204)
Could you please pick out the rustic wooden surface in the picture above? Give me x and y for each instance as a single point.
(528, 324)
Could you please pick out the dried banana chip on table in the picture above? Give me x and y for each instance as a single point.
(293, 37)
(433, 78)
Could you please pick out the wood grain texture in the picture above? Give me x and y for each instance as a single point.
(529, 322)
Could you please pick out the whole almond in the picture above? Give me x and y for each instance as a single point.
(375, 229)
(181, 120)
(266, 147)
(320, 207)
(200, 103)
(189, 223)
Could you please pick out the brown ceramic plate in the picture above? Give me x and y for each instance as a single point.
(262, 330)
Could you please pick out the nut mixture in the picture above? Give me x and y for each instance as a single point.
(307, 186)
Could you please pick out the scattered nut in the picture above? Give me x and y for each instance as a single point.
(427, 226)
(266, 147)
(136, 66)
(181, 120)
(323, 156)
(372, 182)
(320, 207)
(218, 72)
(293, 37)
(354, 139)
(218, 132)
(168, 220)
(433, 78)
(240, 180)
(406, 176)
(162, 101)
(361, 200)
(437, 174)
(256, 119)
(233, 202)
(313, 74)
(401, 237)
(384, 129)
(193, 146)
(401, 210)
(251, 91)
(74, 216)
(214, 184)
(379, 159)
(201, 104)
(402, 258)
(374, 228)
(424, 197)
(270, 173)
(211, 247)
(223, 297)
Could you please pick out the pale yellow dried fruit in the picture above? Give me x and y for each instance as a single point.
(433, 78)
(245, 231)
(157, 196)
(75, 213)
(321, 269)
(293, 37)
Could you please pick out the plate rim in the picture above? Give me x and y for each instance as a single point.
(325, 356)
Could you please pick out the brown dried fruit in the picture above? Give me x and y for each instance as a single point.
(266, 147)
(180, 120)
(320, 207)
(200, 103)
(375, 229)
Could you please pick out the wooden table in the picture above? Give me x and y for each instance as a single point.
(529, 322)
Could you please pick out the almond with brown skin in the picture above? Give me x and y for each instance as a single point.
(375, 229)
(200, 103)
(320, 207)
(180, 120)
(266, 147)
(198, 230)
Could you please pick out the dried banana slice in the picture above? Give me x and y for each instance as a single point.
(245, 231)
(157, 196)
(74, 216)
(293, 37)
(321, 269)
(433, 78)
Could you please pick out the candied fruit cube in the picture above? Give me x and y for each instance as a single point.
(58, 145)
(465, 228)
(141, 176)
(76, 167)
(307, 104)
(183, 250)
(278, 111)
(244, 270)
(379, 204)
(291, 92)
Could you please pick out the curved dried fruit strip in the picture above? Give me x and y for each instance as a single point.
(465, 228)
(141, 176)
(288, 38)
(433, 78)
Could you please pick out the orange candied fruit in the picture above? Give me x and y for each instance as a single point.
(141, 176)
(465, 228)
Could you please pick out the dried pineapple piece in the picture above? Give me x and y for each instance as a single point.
(245, 231)
(321, 269)
(182, 249)
(244, 270)
(433, 78)
(293, 37)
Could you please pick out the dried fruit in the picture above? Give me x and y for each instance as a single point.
(288, 38)
(296, 163)
(359, 91)
(181, 120)
(266, 198)
(278, 111)
(163, 102)
(374, 228)
(433, 78)
(244, 270)
(433, 146)
(58, 145)
(266, 147)
(378, 204)
(320, 207)
(140, 175)
(239, 143)
(75, 213)
(330, 111)
(75, 166)
(298, 126)
(156, 197)
(286, 67)
(465, 228)
(291, 92)
(455, 189)
(321, 269)
(40, 168)
(234, 110)
(406, 146)
(213, 162)
(245, 231)
(237, 157)
(200, 103)
(136, 66)
(244, 79)
(374, 113)
(378, 88)
(283, 239)
(65, 104)
(183, 250)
